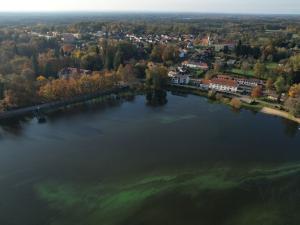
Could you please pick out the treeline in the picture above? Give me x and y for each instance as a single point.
(20, 91)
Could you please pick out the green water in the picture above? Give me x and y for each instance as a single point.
(188, 162)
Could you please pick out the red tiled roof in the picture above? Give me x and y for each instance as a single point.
(225, 82)
(221, 76)
(207, 82)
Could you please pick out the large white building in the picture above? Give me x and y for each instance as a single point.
(242, 81)
(223, 85)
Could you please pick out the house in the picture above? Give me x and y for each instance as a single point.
(68, 38)
(223, 85)
(182, 53)
(70, 71)
(182, 70)
(221, 46)
(205, 84)
(172, 73)
(249, 82)
(196, 65)
(179, 78)
(100, 34)
(190, 45)
(68, 49)
(200, 83)
(205, 41)
(231, 62)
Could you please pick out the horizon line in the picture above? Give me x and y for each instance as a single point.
(147, 12)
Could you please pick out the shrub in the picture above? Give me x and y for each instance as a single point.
(219, 97)
(211, 94)
(236, 103)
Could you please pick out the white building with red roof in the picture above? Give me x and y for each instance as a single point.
(223, 85)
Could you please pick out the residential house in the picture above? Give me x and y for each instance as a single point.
(231, 62)
(70, 71)
(221, 46)
(200, 83)
(68, 49)
(179, 78)
(182, 53)
(68, 38)
(205, 41)
(196, 65)
(249, 82)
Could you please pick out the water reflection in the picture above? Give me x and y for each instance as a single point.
(13, 126)
(290, 127)
(156, 97)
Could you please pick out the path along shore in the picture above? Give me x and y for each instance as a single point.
(280, 113)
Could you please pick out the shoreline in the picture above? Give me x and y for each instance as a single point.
(264, 110)
(279, 113)
(56, 105)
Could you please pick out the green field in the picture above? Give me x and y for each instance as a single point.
(271, 66)
(249, 73)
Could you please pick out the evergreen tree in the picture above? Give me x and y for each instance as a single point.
(35, 65)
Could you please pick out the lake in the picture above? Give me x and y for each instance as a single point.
(188, 162)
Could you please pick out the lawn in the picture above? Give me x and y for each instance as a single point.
(198, 73)
(271, 66)
(249, 73)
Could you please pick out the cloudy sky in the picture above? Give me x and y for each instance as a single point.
(225, 6)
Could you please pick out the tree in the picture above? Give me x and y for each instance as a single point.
(269, 84)
(97, 50)
(256, 92)
(91, 61)
(238, 48)
(109, 60)
(126, 74)
(260, 70)
(294, 91)
(156, 54)
(170, 53)
(245, 67)
(295, 62)
(156, 80)
(218, 67)
(118, 59)
(35, 64)
(280, 85)
(236, 103)
(2, 85)
(140, 70)
(19, 91)
(293, 105)
(156, 77)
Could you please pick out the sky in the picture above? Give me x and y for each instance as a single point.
(207, 6)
